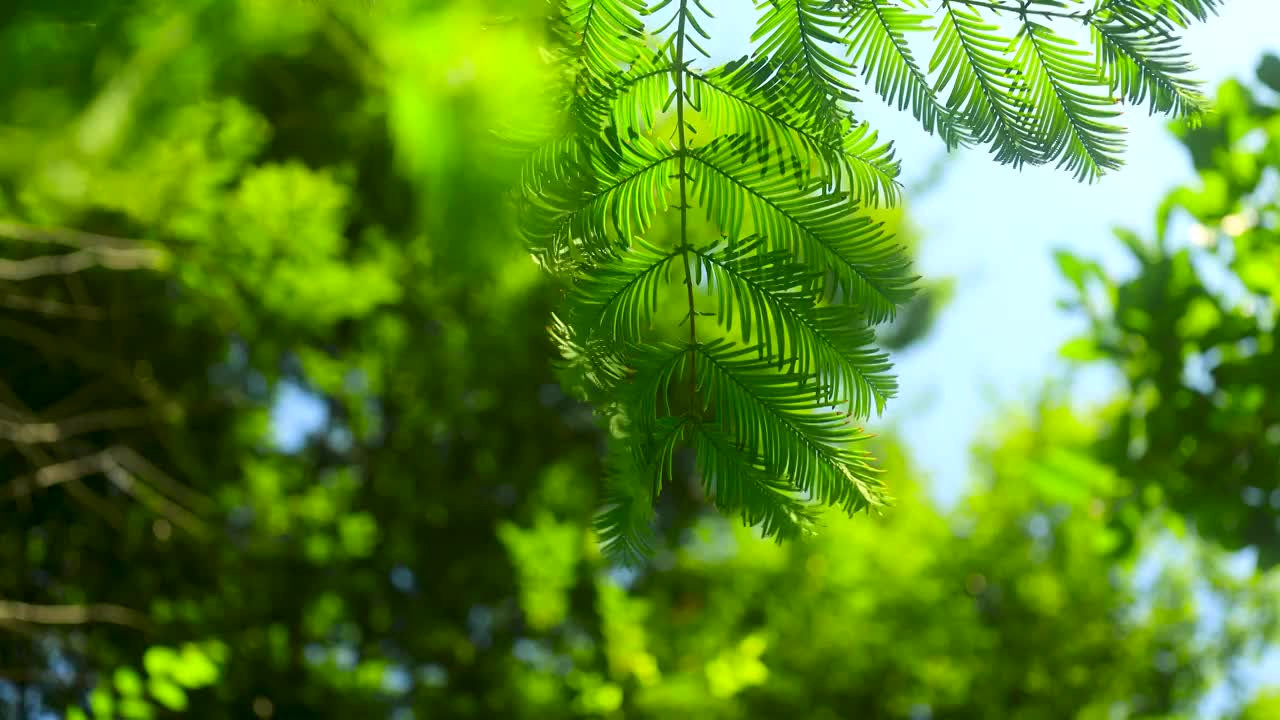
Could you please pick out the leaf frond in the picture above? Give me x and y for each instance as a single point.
(773, 300)
(1072, 105)
(745, 197)
(1143, 62)
(984, 86)
(597, 196)
(776, 295)
(750, 96)
(802, 39)
(793, 433)
(878, 45)
(742, 485)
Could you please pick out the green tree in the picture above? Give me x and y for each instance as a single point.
(209, 209)
(1194, 331)
(1009, 606)
(266, 197)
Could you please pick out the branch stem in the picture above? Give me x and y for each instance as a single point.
(683, 151)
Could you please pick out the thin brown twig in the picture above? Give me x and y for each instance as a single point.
(157, 502)
(51, 308)
(100, 505)
(65, 236)
(72, 614)
(116, 463)
(80, 400)
(74, 262)
(36, 455)
(56, 431)
(136, 463)
(62, 472)
(108, 463)
(1024, 9)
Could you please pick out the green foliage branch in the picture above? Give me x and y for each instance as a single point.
(1195, 332)
(715, 227)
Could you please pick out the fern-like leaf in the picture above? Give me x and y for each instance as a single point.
(722, 277)
(803, 39)
(745, 196)
(877, 41)
(752, 96)
(1072, 104)
(771, 298)
(743, 485)
(1145, 62)
(796, 435)
(985, 88)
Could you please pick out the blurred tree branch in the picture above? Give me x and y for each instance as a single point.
(49, 432)
(121, 467)
(51, 308)
(66, 264)
(61, 472)
(94, 249)
(72, 615)
(65, 236)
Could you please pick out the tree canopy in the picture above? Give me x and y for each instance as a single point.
(1194, 331)
(283, 433)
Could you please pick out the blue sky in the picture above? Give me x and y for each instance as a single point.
(995, 228)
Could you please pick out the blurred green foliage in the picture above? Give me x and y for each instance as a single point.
(1194, 332)
(278, 419)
